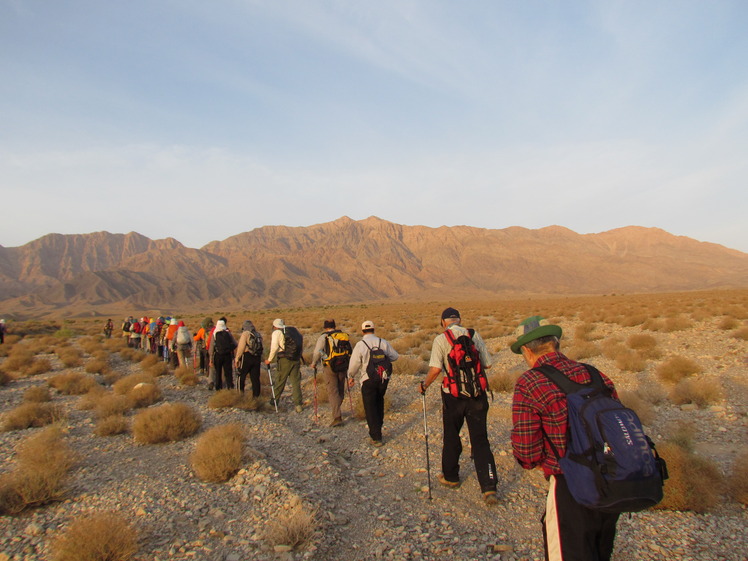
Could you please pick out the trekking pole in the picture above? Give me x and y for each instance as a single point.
(316, 414)
(350, 399)
(426, 435)
(272, 388)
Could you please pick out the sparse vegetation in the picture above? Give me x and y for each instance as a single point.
(738, 481)
(294, 528)
(99, 536)
(218, 453)
(698, 391)
(112, 425)
(695, 483)
(166, 423)
(32, 414)
(37, 394)
(677, 368)
(234, 398)
(72, 383)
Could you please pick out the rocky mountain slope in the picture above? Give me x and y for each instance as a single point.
(351, 261)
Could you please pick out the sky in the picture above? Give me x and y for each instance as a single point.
(201, 120)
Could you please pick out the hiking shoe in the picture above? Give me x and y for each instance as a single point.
(376, 443)
(299, 408)
(444, 481)
(490, 498)
(336, 422)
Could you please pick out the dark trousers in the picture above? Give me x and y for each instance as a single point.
(224, 365)
(372, 394)
(250, 364)
(455, 411)
(572, 532)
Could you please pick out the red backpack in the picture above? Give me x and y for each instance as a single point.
(465, 376)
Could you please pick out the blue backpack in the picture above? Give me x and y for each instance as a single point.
(610, 464)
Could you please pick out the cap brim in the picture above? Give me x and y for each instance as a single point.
(542, 331)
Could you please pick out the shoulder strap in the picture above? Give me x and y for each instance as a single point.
(568, 385)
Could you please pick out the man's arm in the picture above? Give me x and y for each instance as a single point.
(527, 430)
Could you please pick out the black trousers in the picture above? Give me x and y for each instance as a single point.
(455, 411)
(372, 394)
(572, 532)
(224, 365)
(250, 364)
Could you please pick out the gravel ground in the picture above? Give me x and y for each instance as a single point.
(371, 503)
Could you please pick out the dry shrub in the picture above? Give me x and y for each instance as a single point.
(115, 344)
(697, 391)
(189, 378)
(91, 399)
(646, 345)
(583, 349)
(130, 354)
(695, 482)
(358, 403)
(652, 392)
(653, 324)
(144, 394)
(5, 378)
(632, 320)
(738, 480)
(38, 366)
(630, 361)
(676, 369)
(124, 385)
(42, 465)
(37, 394)
(149, 360)
(12, 339)
(18, 359)
(99, 536)
(112, 404)
(218, 453)
(728, 323)
(166, 423)
(96, 366)
(234, 398)
(294, 528)
(158, 369)
(89, 344)
(503, 380)
(643, 408)
(32, 414)
(72, 383)
(112, 425)
(70, 357)
(678, 323)
(584, 332)
(741, 334)
(411, 365)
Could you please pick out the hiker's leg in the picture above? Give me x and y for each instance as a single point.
(452, 419)
(295, 376)
(485, 466)
(254, 377)
(217, 372)
(228, 372)
(333, 396)
(284, 367)
(380, 402)
(369, 395)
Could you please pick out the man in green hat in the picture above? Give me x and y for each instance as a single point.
(539, 418)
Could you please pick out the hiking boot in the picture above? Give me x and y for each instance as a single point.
(336, 422)
(490, 498)
(376, 443)
(299, 408)
(447, 483)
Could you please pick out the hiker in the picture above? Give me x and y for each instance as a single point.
(108, 328)
(182, 343)
(2, 331)
(201, 344)
(249, 357)
(222, 356)
(372, 359)
(333, 348)
(169, 333)
(539, 420)
(136, 327)
(154, 331)
(464, 399)
(286, 346)
(126, 325)
(159, 336)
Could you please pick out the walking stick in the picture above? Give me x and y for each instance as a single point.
(350, 399)
(426, 435)
(272, 388)
(316, 414)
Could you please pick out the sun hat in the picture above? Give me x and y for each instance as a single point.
(278, 323)
(367, 325)
(533, 328)
(450, 313)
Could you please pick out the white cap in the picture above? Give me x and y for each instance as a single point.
(367, 325)
(278, 323)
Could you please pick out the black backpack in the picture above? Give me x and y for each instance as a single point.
(464, 376)
(379, 367)
(293, 343)
(610, 465)
(338, 351)
(223, 342)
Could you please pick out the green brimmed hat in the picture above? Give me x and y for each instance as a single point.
(531, 329)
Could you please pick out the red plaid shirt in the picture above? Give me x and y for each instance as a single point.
(539, 411)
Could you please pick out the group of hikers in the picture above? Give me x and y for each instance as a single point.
(597, 468)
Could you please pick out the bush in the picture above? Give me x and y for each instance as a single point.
(166, 423)
(409, 365)
(218, 453)
(738, 481)
(91, 399)
(630, 361)
(503, 380)
(144, 394)
(294, 528)
(125, 385)
(38, 366)
(97, 366)
(645, 344)
(111, 425)
(583, 349)
(37, 394)
(741, 334)
(643, 408)
(728, 323)
(18, 359)
(43, 462)
(112, 404)
(32, 414)
(695, 483)
(5, 378)
(72, 383)
(70, 357)
(101, 536)
(158, 369)
(234, 398)
(697, 391)
(677, 368)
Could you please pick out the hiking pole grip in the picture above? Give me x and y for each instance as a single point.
(426, 436)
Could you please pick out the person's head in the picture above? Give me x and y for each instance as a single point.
(207, 323)
(367, 327)
(278, 324)
(224, 320)
(536, 337)
(450, 316)
(220, 325)
(173, 321)
(329, 325)
(248, 326)
(180, 324)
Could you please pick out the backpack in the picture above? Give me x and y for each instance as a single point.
(183, 337)
(136, 327)
(379, 367)
(293, 343)
(254, 345)
(464, 375)
(223, 342)
(338, 351)
(126, 326)
(610, 464)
